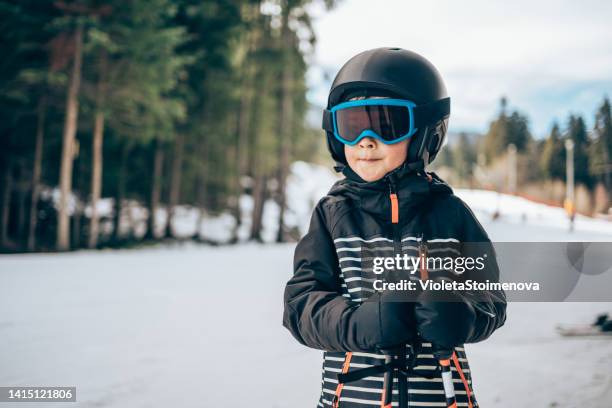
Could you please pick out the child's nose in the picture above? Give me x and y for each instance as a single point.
(367, 143)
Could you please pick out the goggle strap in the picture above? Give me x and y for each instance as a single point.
(431, 113)
(327, 120)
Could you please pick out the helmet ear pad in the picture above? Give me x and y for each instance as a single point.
(426, 142)
(437, 139)
(417, 146)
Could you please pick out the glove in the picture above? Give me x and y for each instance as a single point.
(381, 322)
(447, 323)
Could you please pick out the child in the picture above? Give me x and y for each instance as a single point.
(386, 119)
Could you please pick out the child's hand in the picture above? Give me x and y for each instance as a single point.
(448, 323)
(381, 323)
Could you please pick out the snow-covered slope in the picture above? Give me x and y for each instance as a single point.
(523, 220)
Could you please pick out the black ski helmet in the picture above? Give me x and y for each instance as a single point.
(399, 73)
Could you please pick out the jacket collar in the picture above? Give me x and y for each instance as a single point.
(412, 185)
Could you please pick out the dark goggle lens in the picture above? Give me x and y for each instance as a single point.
(388, 121)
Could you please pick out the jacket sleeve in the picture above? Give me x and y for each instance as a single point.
(490, 306)
(316, 313)
(465, 317)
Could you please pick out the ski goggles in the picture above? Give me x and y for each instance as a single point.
(388, 120)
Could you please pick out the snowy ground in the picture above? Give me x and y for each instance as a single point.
(189, 324)
(196, 326)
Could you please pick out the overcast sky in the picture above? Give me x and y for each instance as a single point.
(549, 58)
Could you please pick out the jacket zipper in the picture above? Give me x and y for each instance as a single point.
(404, 396)
(424, 275)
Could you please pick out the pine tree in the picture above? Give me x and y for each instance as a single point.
(506, 130)
(518, 131)
(496, 137)
(138, 68)
(601, 148)
(463, 157)
(553, 155)
(577, 132)
(100, 95)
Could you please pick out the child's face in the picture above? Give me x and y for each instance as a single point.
(371, 159)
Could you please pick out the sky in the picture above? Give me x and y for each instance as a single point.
(549, 58)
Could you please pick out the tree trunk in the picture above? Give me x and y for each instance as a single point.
(259, 199)
(258, 163)
(120, 193)
(22, 202)
(96, 179)
(68, 151)
(78, 218)
(201, 187)
(244, 118)
(6, 202)
(75, 237)
(158, 162)
(286, 121)
(201, 210)
(38, 156)
(97, 159)
(175, 182)
(237, 185)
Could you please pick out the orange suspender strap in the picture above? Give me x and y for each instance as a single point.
(345, 368)
(382, 401)
(465, 383)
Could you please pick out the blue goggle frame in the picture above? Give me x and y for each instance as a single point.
(369, 132)
(419, 116)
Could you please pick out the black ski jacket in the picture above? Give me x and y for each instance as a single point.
(325, 303)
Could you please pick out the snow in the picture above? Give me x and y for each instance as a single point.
(526, 221)
(526, 363)
(154, 326)
(307, 183)
(197, 326)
